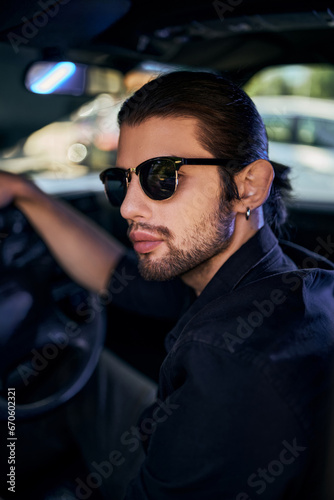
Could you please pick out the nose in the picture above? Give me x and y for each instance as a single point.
(136, 205)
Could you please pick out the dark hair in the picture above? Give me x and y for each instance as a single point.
(230, 126)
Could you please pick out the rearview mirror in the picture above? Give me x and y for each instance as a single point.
(68, 78)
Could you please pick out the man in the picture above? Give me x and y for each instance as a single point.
(242, 388)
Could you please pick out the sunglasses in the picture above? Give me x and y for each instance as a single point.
(158, 177)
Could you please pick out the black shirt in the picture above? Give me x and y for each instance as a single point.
(244, 383)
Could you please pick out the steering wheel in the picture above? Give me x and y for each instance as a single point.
(51, 330)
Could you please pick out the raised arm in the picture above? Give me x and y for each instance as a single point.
(84, 250)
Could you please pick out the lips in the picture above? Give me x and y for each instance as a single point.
(144, 242)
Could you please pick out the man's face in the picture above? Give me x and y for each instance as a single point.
(185, 232)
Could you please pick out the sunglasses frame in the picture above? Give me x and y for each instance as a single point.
(177, 161)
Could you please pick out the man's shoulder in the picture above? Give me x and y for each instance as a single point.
(292, 305)
(280, 328)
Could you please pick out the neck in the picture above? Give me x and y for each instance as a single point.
(244, 229)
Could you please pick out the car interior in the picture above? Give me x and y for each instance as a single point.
(64, 133)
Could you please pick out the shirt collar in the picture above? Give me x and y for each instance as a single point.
(241, 267)
(242, 262)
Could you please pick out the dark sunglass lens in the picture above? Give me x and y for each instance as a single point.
(158, 179)
(115, 186)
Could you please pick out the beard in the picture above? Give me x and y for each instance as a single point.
(207, 238)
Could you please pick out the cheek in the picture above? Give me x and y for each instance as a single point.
(199, 206)
(195, 203)
(200, 191)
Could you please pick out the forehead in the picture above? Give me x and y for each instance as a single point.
(172, 136)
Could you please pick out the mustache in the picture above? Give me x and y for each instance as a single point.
(160, 230)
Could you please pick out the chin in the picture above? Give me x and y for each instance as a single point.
(157, 270)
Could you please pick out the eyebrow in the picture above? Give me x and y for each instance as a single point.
(151, 158)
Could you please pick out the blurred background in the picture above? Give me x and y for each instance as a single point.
(296, 103)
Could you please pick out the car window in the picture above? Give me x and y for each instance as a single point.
(297, 107)
(315, 132)
(66, 156)
(279, 128)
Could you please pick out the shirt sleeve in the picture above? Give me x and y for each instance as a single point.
(222, 434)
(129, 291)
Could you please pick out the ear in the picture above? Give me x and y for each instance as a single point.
(254, 183)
